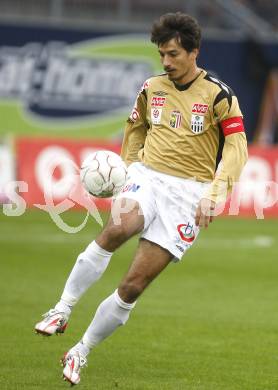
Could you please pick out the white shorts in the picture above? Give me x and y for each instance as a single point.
(168, 204)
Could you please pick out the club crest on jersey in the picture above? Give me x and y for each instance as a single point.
(197, 123)
(197, 118)
(156, 115)
(175, 119)
(186, 232)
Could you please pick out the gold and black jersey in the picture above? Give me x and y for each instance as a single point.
(181, 130)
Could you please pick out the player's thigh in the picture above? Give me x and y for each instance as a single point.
(174, 227)
(132, 210)
(139, 187)
(125, 221)
(150, 259)
(127, 213)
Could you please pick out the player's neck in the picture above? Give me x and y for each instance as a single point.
(189, 77)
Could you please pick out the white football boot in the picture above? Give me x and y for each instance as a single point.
(72, 362)
(53, 321)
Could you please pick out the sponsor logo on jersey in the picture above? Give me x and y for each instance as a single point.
(199, 108)
(160, 93)
(197, 124)
(134, 115)
(156, 115)
(145, 85)
(158, 101)
(132, 187)
(175, 119)
(186, 232)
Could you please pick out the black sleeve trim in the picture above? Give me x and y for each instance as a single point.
(220, 147)
(224, 93)
(144, 93)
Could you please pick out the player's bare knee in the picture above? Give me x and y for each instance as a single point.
(130, 290)
(123, 208)
(112, 237)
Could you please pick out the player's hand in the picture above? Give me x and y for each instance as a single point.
(204, 213)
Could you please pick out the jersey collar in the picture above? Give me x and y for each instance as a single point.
(184, 87)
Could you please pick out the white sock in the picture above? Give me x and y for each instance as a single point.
(63, 307)
(111, 313)
(89, 267)
(82, 348)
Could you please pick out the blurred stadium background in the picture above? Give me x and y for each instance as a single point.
(69, 74)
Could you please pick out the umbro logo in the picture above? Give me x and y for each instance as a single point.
(235, 124)
(160, 93)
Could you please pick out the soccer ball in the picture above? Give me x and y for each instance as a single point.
(103, 173)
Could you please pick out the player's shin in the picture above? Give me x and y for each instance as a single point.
(111, 313)
(89, 267)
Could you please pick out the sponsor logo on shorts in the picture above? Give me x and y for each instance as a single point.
(197, 124)
(180, 248)
(186, 232)
(199, 108)
(156, 115)
(132, 187)
(158, 101)
(175, 119)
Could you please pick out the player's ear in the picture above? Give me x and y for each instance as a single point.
(194, 53)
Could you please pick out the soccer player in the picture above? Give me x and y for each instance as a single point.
(182, 122)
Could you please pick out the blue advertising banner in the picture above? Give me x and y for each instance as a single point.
(73, 83)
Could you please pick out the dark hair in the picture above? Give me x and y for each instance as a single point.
(177, 25)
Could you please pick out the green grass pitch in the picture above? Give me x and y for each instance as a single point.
(208, 323)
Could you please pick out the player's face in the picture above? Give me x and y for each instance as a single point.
(179, 64)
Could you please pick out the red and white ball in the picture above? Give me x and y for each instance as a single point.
(103, 173)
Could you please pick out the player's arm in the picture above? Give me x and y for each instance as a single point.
(234, 157)
(136, 130)
(233, 160)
